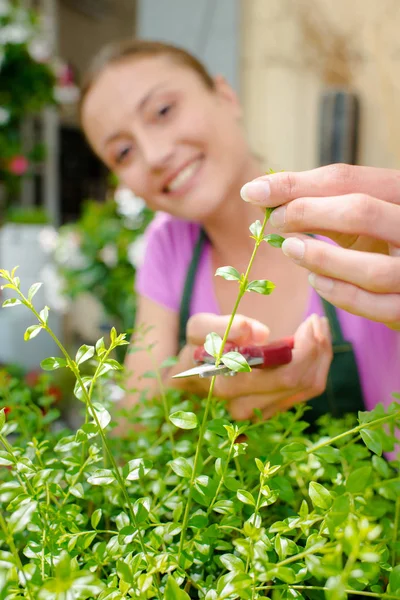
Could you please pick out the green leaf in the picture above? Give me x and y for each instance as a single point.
(11, 302)
(102, 414)
(261, 286)
(213, 344)
(169, 362)
(340, 511)
(228, 273)
(124, 572)
(232, 562)
(372, 440)
(394, 580)
(44, 314)
(181, 467)
(21, 517)
(335, 588)
(320, 496)
(255, 229)
(245, 497)
(357, 481)
(329, 454)
(95, 518)
(173, 591)
(138, 467)
(53, 363)
(236, 362)
(294, 451)
(100, 347)
(84, 353)
(2, 418)
(184, 420)
(101, 477)
(33, 289)
(274, 240)
(32, 332)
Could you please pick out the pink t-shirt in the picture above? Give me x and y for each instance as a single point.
(169, 250)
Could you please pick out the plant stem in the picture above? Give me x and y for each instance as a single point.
(10, 540)
(395, 530)
(164, 403)
(195, 463)
(242, 291)
(222, 479)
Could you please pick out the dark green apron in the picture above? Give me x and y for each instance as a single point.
(343, 390)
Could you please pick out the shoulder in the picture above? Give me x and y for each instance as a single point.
(169, 245)
(165, 226)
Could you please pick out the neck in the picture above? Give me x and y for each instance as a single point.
(228, 228)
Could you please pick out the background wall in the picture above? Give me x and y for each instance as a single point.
(293, 49)
(208, 28)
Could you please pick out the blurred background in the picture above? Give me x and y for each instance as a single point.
(319, 82)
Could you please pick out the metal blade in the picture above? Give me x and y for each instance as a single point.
(204, 371)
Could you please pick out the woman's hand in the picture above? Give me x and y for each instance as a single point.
(269, 390)
(358, 208)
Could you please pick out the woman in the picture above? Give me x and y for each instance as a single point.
(173, 135)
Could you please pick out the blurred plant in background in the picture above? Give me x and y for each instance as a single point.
(99, 255)
(27, 85)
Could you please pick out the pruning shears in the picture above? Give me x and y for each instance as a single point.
(274, 354)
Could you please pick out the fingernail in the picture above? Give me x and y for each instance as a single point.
(319, 283)
(294, 248)
(256, 191)
(278, 217)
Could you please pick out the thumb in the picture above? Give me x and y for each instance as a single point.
(244, 330)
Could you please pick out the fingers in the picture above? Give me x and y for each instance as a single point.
(332, 180)
(373, 272)
(244, 330)
(384, 308)
(352, 214)
(304, 378)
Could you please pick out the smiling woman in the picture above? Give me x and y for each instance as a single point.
(173, 134)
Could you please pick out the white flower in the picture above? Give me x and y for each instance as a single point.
(114, 392)
(128, 204)
(5, 8)
(109, 255)
(53, 286)
(48, 237)
(39, 50)
(136, 251)
(68, 253)
(66, 94)
(14, 34)
(4, 115)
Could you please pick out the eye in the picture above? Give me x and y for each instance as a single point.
(123, 155)
(165, 110)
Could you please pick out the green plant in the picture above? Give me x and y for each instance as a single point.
(25, 215)
(97, 254)
(193, 505)
(27, 85)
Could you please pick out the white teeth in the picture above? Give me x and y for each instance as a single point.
(183, 176)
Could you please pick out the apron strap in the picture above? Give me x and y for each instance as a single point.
(184, 310)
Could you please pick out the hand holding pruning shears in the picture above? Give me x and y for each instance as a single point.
(283, 373)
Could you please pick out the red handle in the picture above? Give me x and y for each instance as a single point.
(273, 355)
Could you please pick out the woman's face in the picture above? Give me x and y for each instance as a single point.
(173, 141)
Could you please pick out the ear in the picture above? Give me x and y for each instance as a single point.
(228, 95)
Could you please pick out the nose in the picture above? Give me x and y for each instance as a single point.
(157, 153)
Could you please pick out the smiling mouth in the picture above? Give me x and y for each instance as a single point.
(178, 183)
